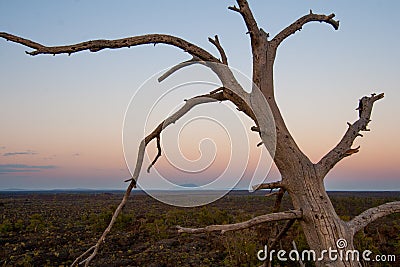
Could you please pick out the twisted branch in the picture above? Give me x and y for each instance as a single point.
(286, 215)
(343, 148)
(97, 45)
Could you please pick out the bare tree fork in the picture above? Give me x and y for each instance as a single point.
(271, 185)
(372, 214)
(189, 104)
(286, 215)
(221, 50)
(343, 148)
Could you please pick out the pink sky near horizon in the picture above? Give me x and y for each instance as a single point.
(62, 117)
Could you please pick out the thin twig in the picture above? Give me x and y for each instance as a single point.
(157, 156)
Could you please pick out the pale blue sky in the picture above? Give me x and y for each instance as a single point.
(68, 111)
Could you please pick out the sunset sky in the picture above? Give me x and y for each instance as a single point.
(62, 116)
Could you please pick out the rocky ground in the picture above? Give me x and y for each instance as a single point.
(53, 228)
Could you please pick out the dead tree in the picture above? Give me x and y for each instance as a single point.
(301, 178)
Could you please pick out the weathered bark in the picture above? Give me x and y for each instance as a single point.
(321, 225)
(302, 179)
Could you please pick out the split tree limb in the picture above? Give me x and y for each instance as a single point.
(298, 24)
(370, 215)
(287, 215)
(343, 148)
(221, 50)
(97, 45)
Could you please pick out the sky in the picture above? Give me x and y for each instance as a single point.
(62, 117)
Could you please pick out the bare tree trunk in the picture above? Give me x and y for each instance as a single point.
(321, 225)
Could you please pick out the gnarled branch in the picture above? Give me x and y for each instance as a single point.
(343, 148)
(370, 215)
(298, 24)
(280, 216)
(97, 45)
